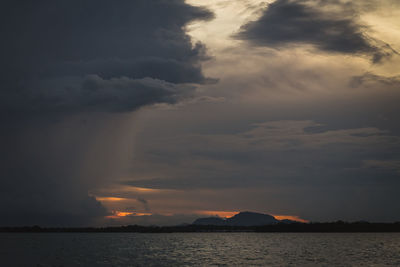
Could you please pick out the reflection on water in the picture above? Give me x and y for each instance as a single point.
(205, 249)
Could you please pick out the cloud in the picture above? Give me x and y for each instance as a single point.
(330, 26)
(291, 136)
(93, 93)
(69, 70)
(271, 152)
(34, 209)
(51, 50)
(390, 165)
(144, 202)
(369, 79)
(287, 165)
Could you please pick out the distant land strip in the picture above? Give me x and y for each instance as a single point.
(334, 227)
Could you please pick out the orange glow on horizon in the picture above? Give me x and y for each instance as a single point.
(146, 189)
(121, 214)
(143, 189)
(111, 199)
(228, 214)
(290, 217)
(222, 214)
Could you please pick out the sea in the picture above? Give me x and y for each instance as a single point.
(200, 249)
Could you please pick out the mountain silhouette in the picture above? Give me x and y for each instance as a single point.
(245, 218)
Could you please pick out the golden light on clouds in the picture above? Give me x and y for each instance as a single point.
(290, 217)
(122, 214)
(144, 190)
(110, 199)
(229, 17)
(118, 214)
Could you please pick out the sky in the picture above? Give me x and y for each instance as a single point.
(160, 112)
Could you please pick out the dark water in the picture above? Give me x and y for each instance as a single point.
(199, 249)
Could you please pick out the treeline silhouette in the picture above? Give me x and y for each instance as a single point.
(333, 227)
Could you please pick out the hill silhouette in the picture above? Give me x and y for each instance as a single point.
(245, 218)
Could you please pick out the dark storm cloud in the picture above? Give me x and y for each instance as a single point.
(93, 93)
(329, 25)
(49, 48)
(61, 61)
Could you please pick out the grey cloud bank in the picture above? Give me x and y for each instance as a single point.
(292, 167)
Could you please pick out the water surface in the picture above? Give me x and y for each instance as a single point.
(199, 249)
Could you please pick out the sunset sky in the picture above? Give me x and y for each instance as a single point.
(163, 111)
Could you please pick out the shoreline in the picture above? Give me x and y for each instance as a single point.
(337, 227)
